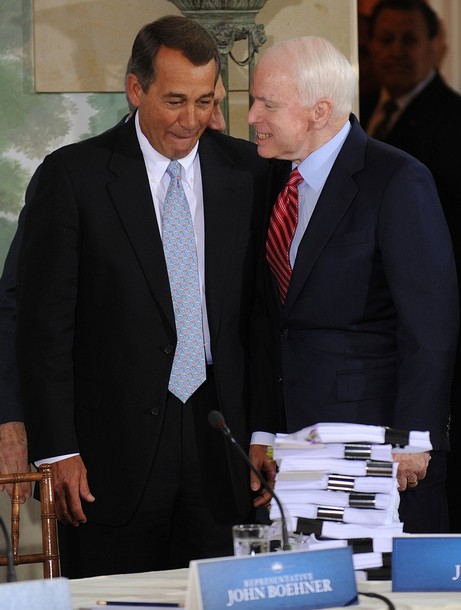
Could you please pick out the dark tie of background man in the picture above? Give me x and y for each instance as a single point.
(388, 108)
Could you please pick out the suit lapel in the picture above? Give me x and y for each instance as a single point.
(222, 198)
(132, 199)
(335, 200)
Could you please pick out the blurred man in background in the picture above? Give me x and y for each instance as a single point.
(418, 112)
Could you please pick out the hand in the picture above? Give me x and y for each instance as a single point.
(13, 456)
(412, 468)
(260, 459)
(70, 485)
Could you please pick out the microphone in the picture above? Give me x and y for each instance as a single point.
(10, 574)
(216, 420)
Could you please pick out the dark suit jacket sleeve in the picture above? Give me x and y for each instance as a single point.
(44, 288)
(10, 402)
(420, 269)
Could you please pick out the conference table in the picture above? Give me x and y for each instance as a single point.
(171, 586)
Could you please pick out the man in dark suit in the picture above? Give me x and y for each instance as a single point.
(363, 300)
(405, 49)
(13, 437)
(139, 472)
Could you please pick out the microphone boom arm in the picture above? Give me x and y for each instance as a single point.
(217, 421)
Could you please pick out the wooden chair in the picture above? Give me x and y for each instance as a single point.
(49, 555)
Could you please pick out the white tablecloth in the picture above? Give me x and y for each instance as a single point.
(171, 586)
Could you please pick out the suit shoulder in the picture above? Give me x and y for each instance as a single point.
(83, 148)
(239, 150)
(360, 153)
(386, 152)
(384, 161)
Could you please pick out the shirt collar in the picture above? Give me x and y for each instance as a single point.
(156, 163)
(316, 167)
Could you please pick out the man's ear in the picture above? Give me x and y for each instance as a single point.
(133, 89)
(322, 113)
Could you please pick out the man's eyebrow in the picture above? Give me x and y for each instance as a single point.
(209, 94)
(182, 96)
(262, 98)
(174, 94)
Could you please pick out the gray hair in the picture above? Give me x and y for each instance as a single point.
(321, 70)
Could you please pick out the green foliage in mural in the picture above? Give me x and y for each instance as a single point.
(33, 124)
(109, 108)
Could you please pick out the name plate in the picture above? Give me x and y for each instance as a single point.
(41, 594)
(287, 580)
(426, 563)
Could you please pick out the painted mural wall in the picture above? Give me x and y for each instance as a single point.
(81, 35)
(33, 124)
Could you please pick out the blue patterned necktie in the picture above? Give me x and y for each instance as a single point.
(188, 371)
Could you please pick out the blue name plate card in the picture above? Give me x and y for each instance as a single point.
(287, 580)
(426, 563)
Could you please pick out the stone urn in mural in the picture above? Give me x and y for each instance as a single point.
(228, 21)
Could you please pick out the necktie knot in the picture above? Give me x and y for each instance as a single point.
(294, 178)
(174, 169)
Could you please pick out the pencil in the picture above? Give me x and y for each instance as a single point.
(140, 604)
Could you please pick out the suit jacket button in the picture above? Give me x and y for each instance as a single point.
(168, 349)
(154, 410)
(285, 332)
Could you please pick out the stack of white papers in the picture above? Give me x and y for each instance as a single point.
(330, 432)
(359, 516)
(359, 545)
(363, 451)
(337, 483)
(310, 479)
(325, 497)
(355, 468)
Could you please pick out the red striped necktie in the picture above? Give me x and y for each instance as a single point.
(282, 227)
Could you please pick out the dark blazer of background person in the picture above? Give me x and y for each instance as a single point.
(406, 45)
(13, 438)
(98, 384)
(10, 402)
(11, 409)
(429, 128)
(368, 330)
